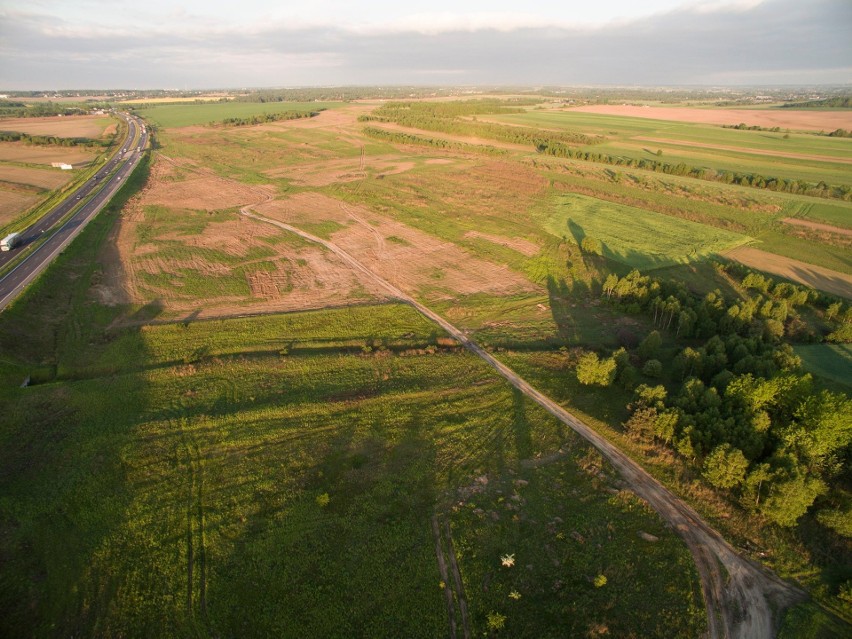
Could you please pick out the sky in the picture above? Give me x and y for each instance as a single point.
(88, 44)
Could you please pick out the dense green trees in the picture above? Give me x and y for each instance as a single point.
(739, 406)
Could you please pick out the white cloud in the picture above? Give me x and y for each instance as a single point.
(745, 42)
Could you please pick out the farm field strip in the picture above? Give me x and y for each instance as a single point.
(179, 115)
(807, 119)
(14, 202)
(625, 128)
(842, 159)
(72, 126)
(32, 154)
(43, 178)
(723, 149)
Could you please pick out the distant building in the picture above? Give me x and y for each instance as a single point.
(61, 165)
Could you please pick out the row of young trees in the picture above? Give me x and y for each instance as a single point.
(48, 140)
(400, 137)
(446, 117)
(820, 189)
(15, 109)
(263, 118)
(737, 406)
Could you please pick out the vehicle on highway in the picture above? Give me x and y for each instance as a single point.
(10, 241)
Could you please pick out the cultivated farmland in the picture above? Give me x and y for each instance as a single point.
(71, 126)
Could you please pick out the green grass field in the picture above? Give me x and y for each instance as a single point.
(831, 361)
(177, 115)
(185, 483)
(636, 237)
(694, 144)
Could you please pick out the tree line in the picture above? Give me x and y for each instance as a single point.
(446, 117)
(400, 137)
(755, 180)
(267, 117)
(15, 109)
(48, 140)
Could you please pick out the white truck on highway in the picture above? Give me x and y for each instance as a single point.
(10, 241)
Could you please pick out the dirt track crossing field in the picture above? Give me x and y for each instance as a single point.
(744, 600)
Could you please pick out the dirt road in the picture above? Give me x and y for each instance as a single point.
(744, 600)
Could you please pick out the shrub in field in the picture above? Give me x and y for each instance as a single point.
(496, 621)
(595, 371)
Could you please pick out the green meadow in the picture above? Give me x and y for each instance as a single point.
(636, 237)
(178, 115)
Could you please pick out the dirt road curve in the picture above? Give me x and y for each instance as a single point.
(744, 600)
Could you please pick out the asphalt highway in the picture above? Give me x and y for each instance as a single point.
(125, 160)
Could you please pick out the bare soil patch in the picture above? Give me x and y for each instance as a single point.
(289, 279)
(423, 264)
(515, 243)
(32, 154)
(43, 178)
(14, 202)
(69, 126)
(739, 149)
(200, 189)
(817, 277)
(809, 120)
(343, 170)
(817, 226)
